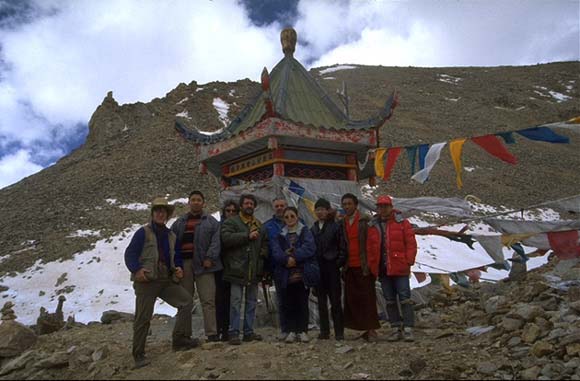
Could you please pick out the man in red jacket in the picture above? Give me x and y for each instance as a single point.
(398, 251)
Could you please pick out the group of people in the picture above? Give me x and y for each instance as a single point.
(227, 259)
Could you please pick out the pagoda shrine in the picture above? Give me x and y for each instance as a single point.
(291, 140)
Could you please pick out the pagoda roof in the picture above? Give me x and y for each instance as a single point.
(290, 93)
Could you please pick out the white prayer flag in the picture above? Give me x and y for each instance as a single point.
(430, 160)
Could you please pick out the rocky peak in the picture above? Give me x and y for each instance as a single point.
(105, 121)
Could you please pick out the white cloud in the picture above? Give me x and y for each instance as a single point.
(440, 33)
(15, 167)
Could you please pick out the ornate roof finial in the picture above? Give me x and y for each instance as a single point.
(288, 38)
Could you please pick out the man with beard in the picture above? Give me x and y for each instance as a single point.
(245, 248)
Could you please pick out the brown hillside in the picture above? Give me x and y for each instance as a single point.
(133, 153)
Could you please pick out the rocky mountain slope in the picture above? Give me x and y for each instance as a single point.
(133, 153)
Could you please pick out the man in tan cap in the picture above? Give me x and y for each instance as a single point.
(155, 271)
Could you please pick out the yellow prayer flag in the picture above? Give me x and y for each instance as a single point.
(575, 120)
(380, 162)
(511, 239)
(456, 147)
(310, 205)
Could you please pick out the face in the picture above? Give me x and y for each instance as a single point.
(279, 206)
(384, 210)
(349, 206)
(160, 216)
(290, 218)
(321, 213)
(196, 204)
(230, 211)
(248, 207)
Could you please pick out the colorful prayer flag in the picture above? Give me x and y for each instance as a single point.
(431, 159)
(494, 147)
(380, 162)
(456, 147)
(392, 155)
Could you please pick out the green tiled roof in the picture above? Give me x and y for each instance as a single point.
(298, 98)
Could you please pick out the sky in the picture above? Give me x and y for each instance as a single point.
(58, 59)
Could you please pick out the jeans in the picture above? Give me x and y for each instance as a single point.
(237, 292)
(393, 287)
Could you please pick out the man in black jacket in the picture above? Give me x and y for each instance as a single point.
(331, 253)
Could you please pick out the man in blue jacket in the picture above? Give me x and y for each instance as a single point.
(274, 226)
(156, 269)
(198, 235)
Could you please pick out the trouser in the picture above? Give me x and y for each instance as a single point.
(206, 289)
(222, 303)
(280, 295)
(393, 287)
(146, 294)
(295, 307)
(237, 293)
(330, 288)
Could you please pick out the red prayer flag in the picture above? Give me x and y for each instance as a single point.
(565, 244)
(495, 147)
(421, 277)
(392, 155)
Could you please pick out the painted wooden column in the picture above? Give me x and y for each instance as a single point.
(351, 172)
(278, 154)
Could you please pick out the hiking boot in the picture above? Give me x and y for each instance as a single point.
(141, 361)
(408, 334)
(282, 336)
(290, 338)
(252, 337)
(225, 337)
(184, 344)
(395, 335)
(303, 337)
(324, 336)
(235, 340)
(212, 338)
(339, 337)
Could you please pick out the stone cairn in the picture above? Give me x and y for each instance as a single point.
(7, 312)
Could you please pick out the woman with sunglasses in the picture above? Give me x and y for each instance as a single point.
(222, 294)
(295, 270)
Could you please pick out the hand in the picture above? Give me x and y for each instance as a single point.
(290, 251)
(254, 234)
(207, 263)
(291, 262)
(140, 275)
(179, 272)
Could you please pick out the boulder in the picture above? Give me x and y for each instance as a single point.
(495, 303)
(526, 312)
(530, 333)
(55, 360)
(18, 363)
(15, 338)
(511, 325)
(541, 349)
(531, 373)
(111, 316)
